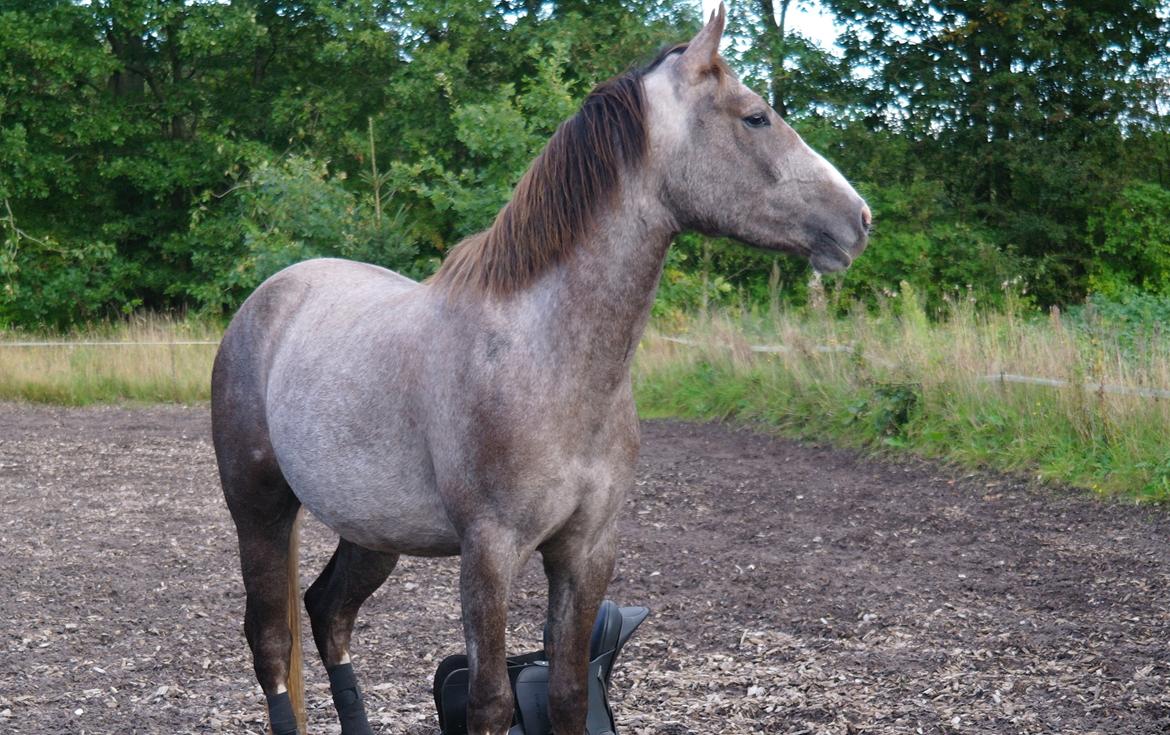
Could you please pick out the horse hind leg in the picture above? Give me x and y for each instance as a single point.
(333, 601)
(268, 537)
(265, 512)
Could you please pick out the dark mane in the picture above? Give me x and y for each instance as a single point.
(557, 200)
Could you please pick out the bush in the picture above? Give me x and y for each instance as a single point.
(919, 240)
(1130, 318)
(1132, 239)
(59, 284)
(283, 213)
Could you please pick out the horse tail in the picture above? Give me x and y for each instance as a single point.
(296, 673)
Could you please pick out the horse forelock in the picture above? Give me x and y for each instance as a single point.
(575, 177)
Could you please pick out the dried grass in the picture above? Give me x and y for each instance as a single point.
(148, 358)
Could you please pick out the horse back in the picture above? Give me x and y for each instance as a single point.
(257, 332)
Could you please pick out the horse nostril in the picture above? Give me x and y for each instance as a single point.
(866, 217)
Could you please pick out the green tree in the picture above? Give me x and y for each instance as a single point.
(280, 214)
(1022, 108)
(798, 77)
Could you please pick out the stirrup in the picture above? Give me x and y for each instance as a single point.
(528, 675)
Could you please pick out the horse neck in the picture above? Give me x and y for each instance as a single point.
(602, 295)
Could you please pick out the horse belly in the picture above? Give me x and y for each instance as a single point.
(385, 509)
(366, 473)
(340, 404)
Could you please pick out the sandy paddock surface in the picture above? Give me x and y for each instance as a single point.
(794, 589)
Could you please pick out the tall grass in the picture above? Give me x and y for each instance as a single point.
(141, 359)
(896, 379)
(885, 379)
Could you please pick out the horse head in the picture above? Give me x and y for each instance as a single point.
(730, 165)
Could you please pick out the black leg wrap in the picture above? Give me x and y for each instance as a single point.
(280, 714)
(348, 700)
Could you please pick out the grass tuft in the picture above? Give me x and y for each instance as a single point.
(894, 379)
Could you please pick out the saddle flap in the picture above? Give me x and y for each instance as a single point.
(613, 628)
(599, 717)
(450, 689)
(531, 690)
(607, 628)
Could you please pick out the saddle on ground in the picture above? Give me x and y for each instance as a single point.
(529, 676)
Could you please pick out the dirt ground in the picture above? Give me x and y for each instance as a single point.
(794, 589)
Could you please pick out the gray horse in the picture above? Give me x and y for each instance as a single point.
(488, 411)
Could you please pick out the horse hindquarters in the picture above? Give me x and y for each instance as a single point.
(264, 509)
(265, 512)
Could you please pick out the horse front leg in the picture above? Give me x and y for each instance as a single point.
(579, 568)
(491, 559)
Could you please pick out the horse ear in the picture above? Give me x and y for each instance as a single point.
(703, 50)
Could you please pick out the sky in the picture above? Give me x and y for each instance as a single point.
(805, 16)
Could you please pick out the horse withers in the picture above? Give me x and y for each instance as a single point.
(487, 412)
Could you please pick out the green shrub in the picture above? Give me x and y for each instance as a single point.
(1132, 237)
(59, 283)
(283, 213)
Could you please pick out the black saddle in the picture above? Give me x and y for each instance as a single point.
(529, 676)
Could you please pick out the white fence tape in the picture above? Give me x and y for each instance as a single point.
(1124, 390)
(774, 349)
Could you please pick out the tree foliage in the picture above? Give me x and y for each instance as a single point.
(169, 154)
(1020, 109)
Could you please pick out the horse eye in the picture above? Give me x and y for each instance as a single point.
(757, 121)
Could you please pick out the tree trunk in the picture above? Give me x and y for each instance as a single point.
(775, 27)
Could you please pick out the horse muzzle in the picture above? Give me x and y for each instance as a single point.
(836, 245)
